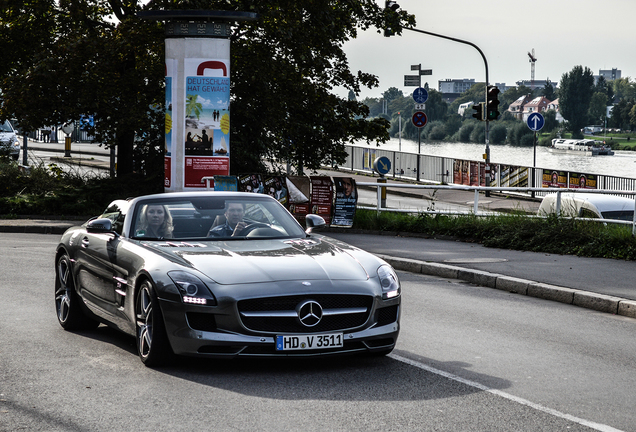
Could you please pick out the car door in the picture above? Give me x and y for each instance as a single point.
(96, 259)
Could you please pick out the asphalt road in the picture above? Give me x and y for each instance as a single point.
(468, 358)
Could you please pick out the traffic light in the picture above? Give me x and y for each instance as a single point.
(492, 103)
(479, 111)
(390, 12)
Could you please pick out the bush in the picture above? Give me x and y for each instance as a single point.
(516, 231)
(498, 134)
(478, 135)
(465, 131)
(49, 190)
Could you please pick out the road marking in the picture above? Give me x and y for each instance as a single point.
(587, 423)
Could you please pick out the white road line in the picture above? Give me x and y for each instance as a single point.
(587, 423)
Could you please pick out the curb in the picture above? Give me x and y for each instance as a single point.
(585, 299)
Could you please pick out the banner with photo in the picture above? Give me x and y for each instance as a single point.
(277, 188)
(583, 181)
(346, 200)
(554, 179)
(207, 119)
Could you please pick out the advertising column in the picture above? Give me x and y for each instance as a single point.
(197, 106)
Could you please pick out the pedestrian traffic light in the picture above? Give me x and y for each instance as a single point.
(492, 103)
(479, 111)
(390, 12)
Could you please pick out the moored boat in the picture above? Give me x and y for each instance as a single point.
(585, 147)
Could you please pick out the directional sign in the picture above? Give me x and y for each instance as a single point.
(420, 95)
(419, 119)
(535, 121)
(411, 80)
(382, 165)
(419, 107)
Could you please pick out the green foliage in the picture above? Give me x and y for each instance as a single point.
(517, 132)
(497, 134)
(48, 190)
(466, 131)
(514, 231)
(575, 93)
(478, 134)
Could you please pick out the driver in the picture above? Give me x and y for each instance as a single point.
(234, 223)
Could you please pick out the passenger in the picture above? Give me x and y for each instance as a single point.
(155, 221)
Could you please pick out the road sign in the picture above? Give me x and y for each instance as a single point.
(426, 72)
(382, 165)
(420, 107)
(420, 95)
(419, 119)
(535, 121)
(411, 80)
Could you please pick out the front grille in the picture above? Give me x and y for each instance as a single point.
(290, 323)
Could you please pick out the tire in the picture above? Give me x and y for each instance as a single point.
(67, 302)
(153, 346)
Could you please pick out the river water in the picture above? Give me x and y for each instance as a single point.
(622, 164)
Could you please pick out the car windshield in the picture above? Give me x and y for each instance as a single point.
(626, 215)
(5, 127)
(214, 218)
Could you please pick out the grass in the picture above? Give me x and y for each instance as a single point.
(515, 231)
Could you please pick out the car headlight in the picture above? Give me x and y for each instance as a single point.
(191, 288)
(389, 282)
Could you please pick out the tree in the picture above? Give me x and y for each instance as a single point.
(604, 87)
(624, 88)
(70, 58)
(548, 91)
(575, 93)
(598, 108)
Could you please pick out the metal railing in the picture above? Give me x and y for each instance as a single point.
(477, 189)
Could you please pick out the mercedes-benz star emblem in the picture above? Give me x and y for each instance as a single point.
(309, 313)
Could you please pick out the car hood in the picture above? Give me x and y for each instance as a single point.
(244, 262)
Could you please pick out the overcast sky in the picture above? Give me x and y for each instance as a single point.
(564, 33)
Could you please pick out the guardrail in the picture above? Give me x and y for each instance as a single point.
(477, 189)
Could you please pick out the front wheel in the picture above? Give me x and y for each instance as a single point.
(67, 302)
(153, 346)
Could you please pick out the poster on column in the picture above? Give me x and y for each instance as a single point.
(207, 120)
(170, 73)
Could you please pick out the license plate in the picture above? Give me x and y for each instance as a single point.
(308, 342)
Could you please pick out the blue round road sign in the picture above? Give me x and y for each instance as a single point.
(419, 119)
(420, 95)
(535, 121)
(382, 165)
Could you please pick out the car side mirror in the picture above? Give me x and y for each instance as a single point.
(100, 226)
(313, 221)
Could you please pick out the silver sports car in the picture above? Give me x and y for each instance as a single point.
(223, 274)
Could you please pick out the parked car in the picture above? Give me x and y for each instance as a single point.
(9, 145)
(220, 275)
(588, 205)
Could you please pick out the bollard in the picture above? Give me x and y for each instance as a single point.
(382, 192)
(67, 147)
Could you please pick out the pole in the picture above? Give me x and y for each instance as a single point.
(486, 89)
(419, 150)
(534, 161)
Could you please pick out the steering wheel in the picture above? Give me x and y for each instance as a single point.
(250, 227)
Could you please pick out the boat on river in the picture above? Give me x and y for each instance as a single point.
(584, 147)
